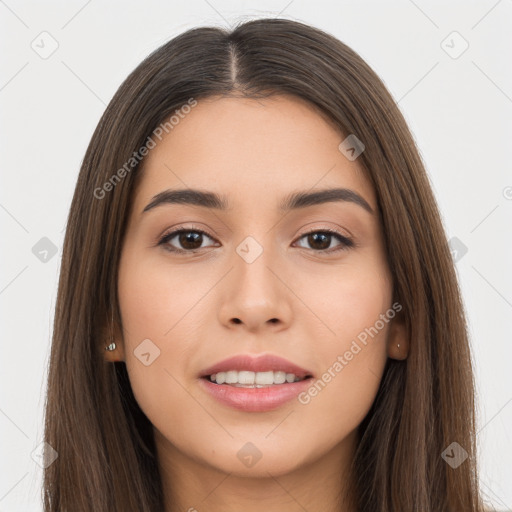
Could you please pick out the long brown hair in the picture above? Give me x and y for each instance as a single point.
(106, 453)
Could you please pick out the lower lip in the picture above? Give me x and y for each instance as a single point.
(255, 399)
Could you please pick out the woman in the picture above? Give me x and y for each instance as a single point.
(257, 306)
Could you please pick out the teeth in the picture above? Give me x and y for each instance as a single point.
(253, 379)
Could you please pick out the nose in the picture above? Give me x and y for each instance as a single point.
(256, 294)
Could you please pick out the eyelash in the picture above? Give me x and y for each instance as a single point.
(345, 243)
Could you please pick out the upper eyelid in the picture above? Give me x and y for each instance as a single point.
(180, 229)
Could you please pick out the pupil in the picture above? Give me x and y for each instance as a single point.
(189, 239)
(313, 238)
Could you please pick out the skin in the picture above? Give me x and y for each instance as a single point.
(254, 152)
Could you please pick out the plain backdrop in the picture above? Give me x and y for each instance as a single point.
(447, 64)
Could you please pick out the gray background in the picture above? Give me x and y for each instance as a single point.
(457, 101)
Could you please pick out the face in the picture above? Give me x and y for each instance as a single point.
(309, 284)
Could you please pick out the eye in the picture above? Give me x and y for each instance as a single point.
(190, 239)
(320, 240)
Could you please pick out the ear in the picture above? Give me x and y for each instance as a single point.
(398, 342)
(112, 334)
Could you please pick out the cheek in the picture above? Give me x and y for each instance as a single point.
(352, 353)
(153, 310)
(153, 298)
(352, 299)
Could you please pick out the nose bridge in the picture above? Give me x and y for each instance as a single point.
(254, 259)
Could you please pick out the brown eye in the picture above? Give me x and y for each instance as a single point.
(188, 240)
(320, 241)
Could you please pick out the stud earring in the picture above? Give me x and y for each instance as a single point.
(111, 347)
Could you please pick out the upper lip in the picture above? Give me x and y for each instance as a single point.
(263, 363)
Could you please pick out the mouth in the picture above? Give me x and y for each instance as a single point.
(248, 371)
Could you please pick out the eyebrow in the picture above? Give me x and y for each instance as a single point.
(293, 201)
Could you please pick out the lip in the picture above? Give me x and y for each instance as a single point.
(263, 363)
(255, 399)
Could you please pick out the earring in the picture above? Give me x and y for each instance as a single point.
(398, 346)
(111, 347)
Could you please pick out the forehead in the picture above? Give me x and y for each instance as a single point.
(253, 151)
